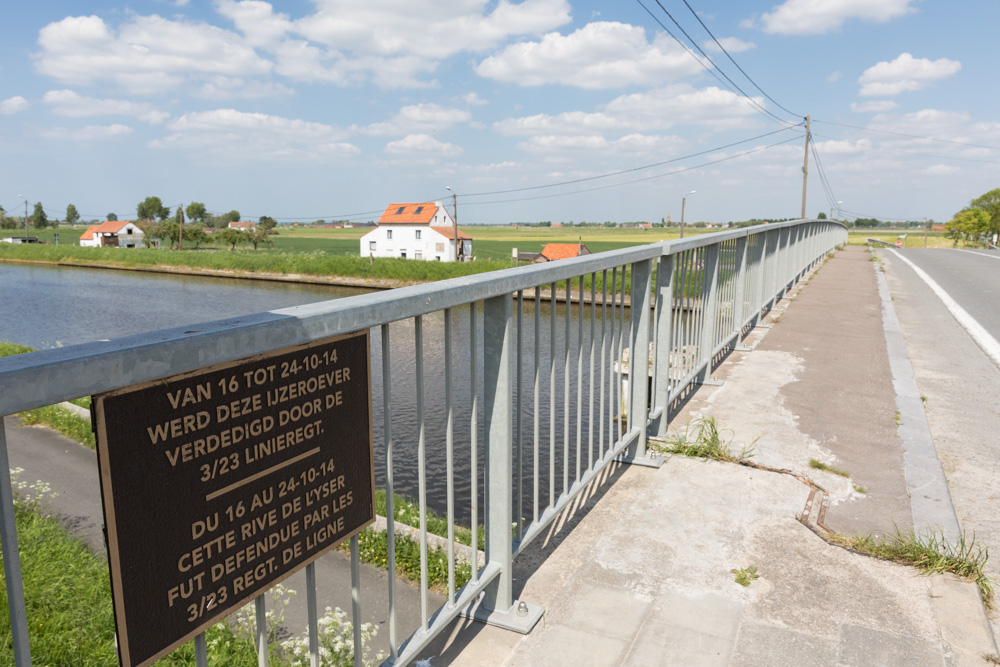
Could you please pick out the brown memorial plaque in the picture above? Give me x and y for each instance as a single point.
(219, 483)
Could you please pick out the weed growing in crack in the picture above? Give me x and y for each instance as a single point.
(931, 554)
(702, 438)
(819, 465)
(745, 575)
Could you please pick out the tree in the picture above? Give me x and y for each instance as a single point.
(821, 216)
(5, 222)
(989, 203)
(179, 216)
(150, 229)
(151, 208)
(195, 234)
(969, 224)
(267, 223)
(231, 236)
(72, 215)
(112, 216)
(258, 236)
(232, 216)
(38, 218)
(196, 212)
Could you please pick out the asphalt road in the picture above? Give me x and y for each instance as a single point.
(958, 380)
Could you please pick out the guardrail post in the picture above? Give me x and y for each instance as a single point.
(739, 294)
(638, 410)
(497, 605)
(662, 345)
(12, 561)
(709, 310)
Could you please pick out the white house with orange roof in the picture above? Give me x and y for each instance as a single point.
(113, 234)
(416, 231)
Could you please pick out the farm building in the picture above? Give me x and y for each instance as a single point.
(113, 234)
(416, 231)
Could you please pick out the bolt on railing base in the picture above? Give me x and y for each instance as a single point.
(521, 617)
(650, 460)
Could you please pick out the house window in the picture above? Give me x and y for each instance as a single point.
(418, 234)
(402, 253)
(388, 234)
(418, 255)
(371, 246)
(419, 209)
(128, 230)
(399, 211)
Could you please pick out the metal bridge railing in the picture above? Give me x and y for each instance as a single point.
(540, 352)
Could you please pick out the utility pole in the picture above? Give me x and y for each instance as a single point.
(805, 169)
(25, 219)
(180, 226)
(454, 207)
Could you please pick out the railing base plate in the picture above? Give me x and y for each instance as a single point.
(649, 461)
(710, 382)
(517, 619)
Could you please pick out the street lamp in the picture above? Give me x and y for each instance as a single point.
(454, 207)
(683, 202)
(25, 217)
(835, 206)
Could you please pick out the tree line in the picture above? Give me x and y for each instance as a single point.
(977, 222)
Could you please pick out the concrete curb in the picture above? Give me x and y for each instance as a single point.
(930, 499)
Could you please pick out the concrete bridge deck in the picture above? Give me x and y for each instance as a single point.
(641, 572)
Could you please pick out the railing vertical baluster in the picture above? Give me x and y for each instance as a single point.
(518, 499)
(579, 383)
(201, 651)
(604, 362)
(612, 360)
(498, 395)
(390, 489)
(474, 439)
(590, 416)
(260, 610)
(739, 292)
(552, 396)
(661, 343)
(622, 400)
(538, 444)
(418, 343)
(356, 601)
(12, 561)
(312, 615)
(566, 386)
(449, 444)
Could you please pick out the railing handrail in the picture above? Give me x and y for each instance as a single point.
(49, 376)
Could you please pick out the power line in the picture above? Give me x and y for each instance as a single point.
(911, 136)
(638, 180)
(717, 43)
(634, 169)
(749, 99)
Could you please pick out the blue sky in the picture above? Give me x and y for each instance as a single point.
(334, 108)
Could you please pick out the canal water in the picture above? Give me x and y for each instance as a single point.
(58, 306)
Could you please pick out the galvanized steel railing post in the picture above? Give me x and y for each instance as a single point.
(739, 294)
(12, 561)
(662, 343)
(497, 367)
(709, 308)
(638, 411)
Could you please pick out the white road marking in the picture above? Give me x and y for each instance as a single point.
(974, 252)
(982, 337)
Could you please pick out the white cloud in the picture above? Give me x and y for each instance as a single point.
(74, 105)
(236, 135)
(472, 99)
(940, 170)
(89, 133)
(420, 119)
(599, 55)
(148, 54)
(628, 145)
(658, 109)
(874, 105)
(730, 44)
(12, 105)
(814, 17)
(843, 146)
(905, 73)
(834, 76)
(421, 145)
